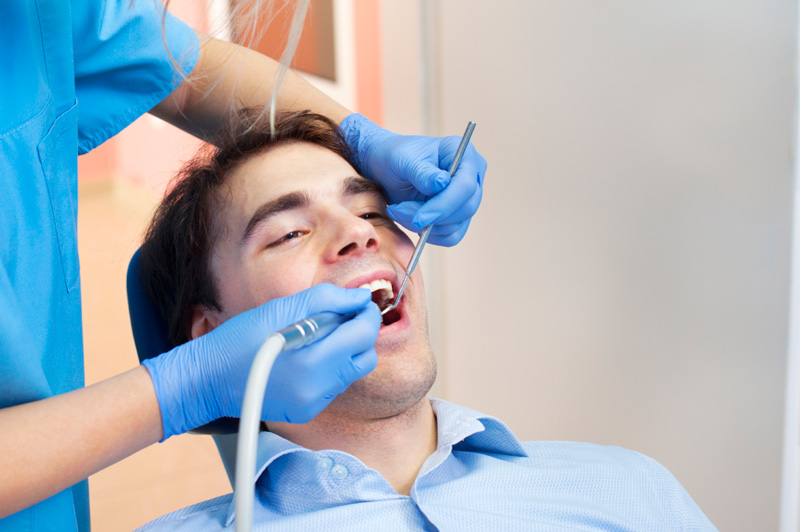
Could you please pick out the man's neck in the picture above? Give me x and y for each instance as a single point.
(396, 446)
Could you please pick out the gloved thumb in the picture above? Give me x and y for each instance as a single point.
(403, 213)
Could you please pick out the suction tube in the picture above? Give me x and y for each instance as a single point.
(295, 336)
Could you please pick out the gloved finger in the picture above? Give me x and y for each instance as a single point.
(403, 213)
(428, 178)
(444, 230)
(364, 363)
(358, 367)
(353, 336)
(464, 212)
(451, 239)
(462, 188)
(471, 157)
(329, 297)
(318, 298)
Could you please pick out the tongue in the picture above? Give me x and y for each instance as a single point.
(391, 317)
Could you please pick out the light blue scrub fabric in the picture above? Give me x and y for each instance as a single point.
(72, 74)
(481, 477)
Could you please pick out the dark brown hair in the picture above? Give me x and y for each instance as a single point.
(174, 257)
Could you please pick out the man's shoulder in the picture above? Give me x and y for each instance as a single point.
(204, 516)
(589, 464)
(575, 454)
(569, 455)
(574, 450)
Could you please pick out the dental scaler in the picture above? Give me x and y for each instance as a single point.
(423, 237)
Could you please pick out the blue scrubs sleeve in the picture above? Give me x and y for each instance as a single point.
(122, 67)
(73, 73)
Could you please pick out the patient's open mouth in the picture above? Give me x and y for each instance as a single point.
(383, 296)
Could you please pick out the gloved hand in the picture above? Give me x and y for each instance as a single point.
(414, 172)
(204, 379)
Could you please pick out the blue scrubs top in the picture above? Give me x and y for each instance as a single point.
(72, 74)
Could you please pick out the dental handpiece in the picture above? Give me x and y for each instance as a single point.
(311, 329)
(423, 237)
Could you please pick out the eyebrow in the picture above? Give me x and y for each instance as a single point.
(351, 186)
(287, 202)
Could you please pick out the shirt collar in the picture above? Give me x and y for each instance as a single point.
(467, 430)
(270, 448)
(458, 428)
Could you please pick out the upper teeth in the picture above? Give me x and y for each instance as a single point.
(379, 284)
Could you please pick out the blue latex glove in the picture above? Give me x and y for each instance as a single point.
(204, 379)
(414, 172)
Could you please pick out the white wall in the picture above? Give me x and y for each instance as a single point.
(790, 487)
(626, 280)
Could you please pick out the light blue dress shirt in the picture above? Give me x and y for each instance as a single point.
(72, 74)
(480, 478)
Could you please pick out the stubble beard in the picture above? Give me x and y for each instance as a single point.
(401, 381)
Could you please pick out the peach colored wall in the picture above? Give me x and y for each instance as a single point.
(315, 52)
(149, 152)
(369, 79)
(99, 164)
(146, 153)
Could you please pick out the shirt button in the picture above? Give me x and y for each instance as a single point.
(324, 464)
(339, 471)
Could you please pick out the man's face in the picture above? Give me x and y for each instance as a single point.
(298, 215)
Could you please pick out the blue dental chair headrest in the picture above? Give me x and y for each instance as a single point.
(150, 334)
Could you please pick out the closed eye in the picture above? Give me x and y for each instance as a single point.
(285, 238)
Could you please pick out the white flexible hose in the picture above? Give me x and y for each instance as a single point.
(249, 424)
(294, 336)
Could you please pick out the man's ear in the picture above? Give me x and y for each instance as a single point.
(204, 320)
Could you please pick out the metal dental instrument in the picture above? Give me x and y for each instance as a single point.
(423, 237)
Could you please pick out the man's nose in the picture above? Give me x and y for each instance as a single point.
(353, 238)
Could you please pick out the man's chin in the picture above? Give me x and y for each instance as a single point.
(390, 390)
